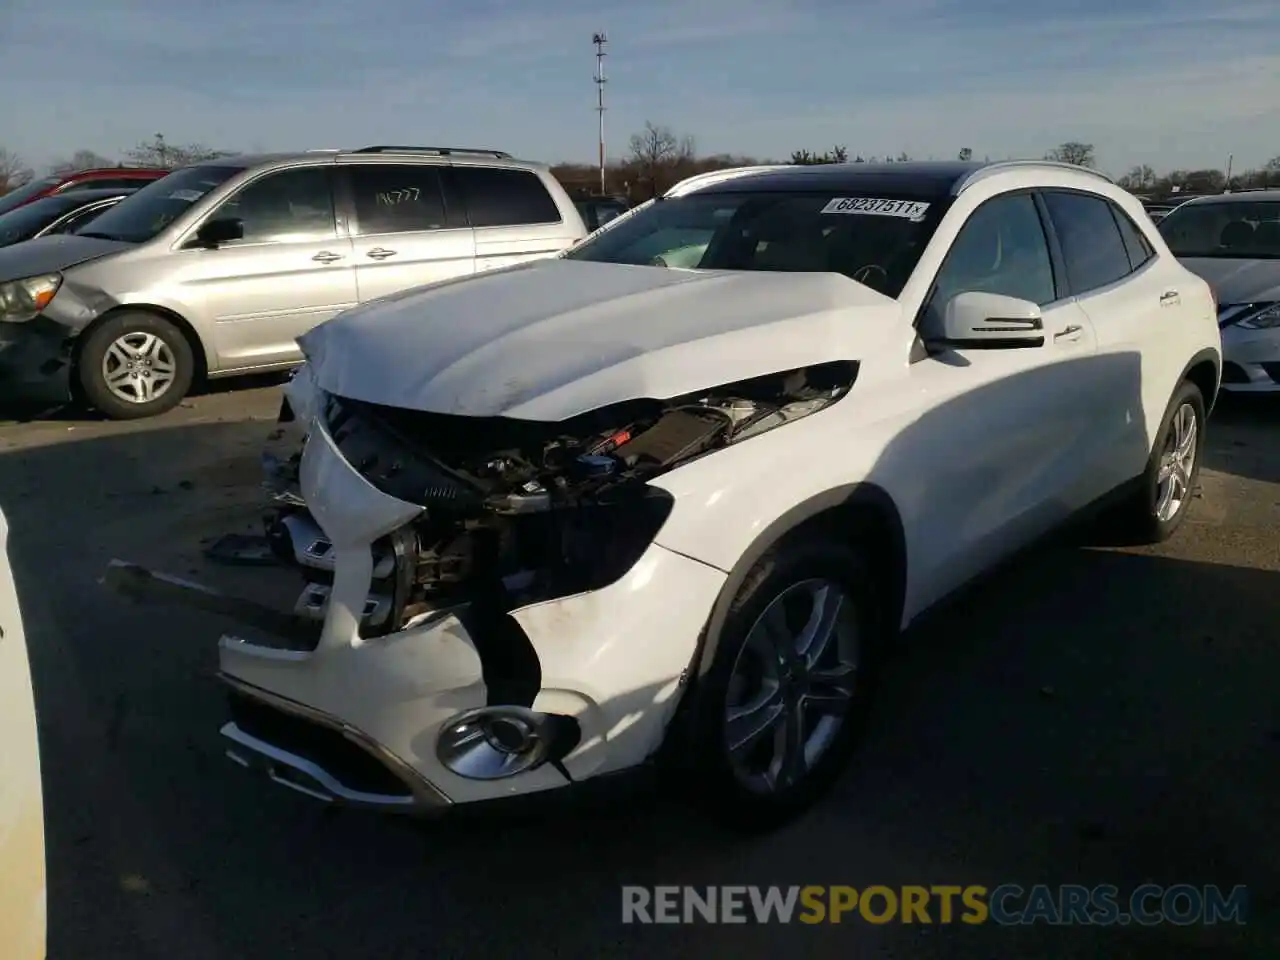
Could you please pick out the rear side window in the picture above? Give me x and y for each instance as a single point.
(1135, 244)
(397, 198)
(1091, 242)
(505, 198)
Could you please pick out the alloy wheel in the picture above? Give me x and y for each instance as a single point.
(1177, 463)
(792, 685)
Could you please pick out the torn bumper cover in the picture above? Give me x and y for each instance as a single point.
(414, 711)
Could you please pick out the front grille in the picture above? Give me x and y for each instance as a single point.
(1234, 373)
(353, 767)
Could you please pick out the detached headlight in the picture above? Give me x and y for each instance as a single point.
(1266, 318)
(22, 300)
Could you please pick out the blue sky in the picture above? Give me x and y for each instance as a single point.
(1173, 83)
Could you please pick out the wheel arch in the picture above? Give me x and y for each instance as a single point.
(1205, 371)
(199, 353)
(859, 513)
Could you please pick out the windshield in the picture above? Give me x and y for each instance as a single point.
(1244, 229)
(31, 218)
(144, 214)
(16, 198)
(874, 240)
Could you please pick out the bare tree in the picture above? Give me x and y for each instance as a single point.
(836, 154)
(657, 146)
(81, 160)
(167, 156)
(1073, 152)
(13, 171)
(660, 156)
(966, 154)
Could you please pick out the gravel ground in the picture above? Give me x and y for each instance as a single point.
(1091, 715)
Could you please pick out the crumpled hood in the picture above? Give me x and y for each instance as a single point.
(31, 258)
(555, 338)
(1238, 281)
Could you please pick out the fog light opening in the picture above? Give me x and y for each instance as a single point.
(491, 743)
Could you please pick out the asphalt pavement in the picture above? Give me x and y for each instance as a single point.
(1091, 715)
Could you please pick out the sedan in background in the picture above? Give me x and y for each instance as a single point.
(105, 178)
(1233, 242)
(59, 213)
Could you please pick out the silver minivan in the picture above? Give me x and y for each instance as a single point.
(215, 269)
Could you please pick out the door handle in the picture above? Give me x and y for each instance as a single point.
(324, 256)
(1069, 332)
(380, 253)
(1168, 298)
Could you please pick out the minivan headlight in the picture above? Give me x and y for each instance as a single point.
(22, 300)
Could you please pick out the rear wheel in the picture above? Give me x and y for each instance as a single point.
(774, 720)
(135, 365)
(1159, 506)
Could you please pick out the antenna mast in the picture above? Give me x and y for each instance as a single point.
(600, 39)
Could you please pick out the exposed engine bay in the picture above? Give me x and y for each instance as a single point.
(519, 511)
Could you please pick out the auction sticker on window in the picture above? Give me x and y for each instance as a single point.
(878, 207)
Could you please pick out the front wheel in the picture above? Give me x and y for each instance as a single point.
(135, 365)
(773, 721)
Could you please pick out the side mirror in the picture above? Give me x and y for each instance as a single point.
(222, 230)
(988, 321)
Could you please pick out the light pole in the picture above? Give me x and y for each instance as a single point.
(600, 39)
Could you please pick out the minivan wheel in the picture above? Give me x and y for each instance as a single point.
(135, 365)
(773, 721)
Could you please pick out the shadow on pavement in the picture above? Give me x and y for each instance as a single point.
(32, 411)
(1086, 716)
(1245, 435)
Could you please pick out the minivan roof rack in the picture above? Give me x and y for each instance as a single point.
(437, 151)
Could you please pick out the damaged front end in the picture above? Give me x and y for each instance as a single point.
(484, 610)
(518, 512)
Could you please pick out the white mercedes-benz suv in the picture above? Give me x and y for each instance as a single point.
(672, 495)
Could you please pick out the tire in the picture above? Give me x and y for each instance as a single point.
(1149, 516)
(737, 789)
(155, 345)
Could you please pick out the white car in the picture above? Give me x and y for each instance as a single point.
(22, 890)
(1233, 242)
(568, 518)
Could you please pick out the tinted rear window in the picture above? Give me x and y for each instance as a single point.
(1091, 241)
(395, 198)
(505, 198)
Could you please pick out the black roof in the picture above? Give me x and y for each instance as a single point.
(922, 179)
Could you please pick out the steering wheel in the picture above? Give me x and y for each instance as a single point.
(864, 273)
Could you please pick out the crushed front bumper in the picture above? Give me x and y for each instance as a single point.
(35, 360)
(314, 716)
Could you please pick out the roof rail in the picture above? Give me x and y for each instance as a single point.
(992, 168)
(436, 151)
(710, 177)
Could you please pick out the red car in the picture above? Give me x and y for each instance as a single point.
(103, 178)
